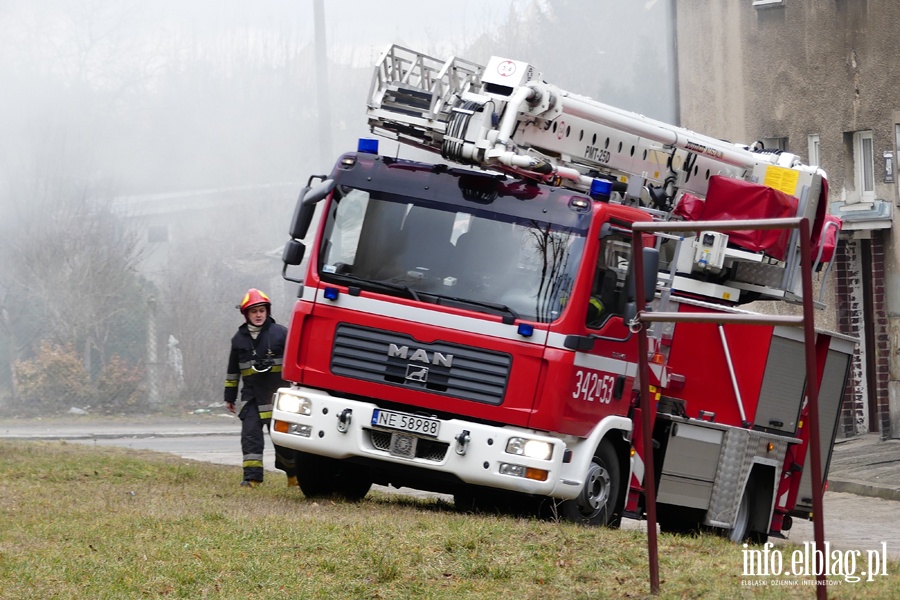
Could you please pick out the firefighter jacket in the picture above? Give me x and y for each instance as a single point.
(257, 361)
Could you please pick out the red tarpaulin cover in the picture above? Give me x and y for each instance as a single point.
(823, 235)
(690, 208)
(827, 239)
(735, 199)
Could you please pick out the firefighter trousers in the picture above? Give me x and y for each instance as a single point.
(253, 418)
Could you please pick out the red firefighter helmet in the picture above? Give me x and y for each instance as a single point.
(254, 297)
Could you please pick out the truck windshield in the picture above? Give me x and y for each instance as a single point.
(439, 253)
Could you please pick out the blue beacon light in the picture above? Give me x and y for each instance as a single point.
(601, 189)
(367, 146)
(331, 293)
(525, 329)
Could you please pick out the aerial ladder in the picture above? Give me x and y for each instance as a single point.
(503, 116)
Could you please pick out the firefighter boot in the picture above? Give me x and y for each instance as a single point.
(250, 483)
(292, 481)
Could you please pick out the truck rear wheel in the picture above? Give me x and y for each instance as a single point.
(322, 476)
(679, 519)
(599, 497)
(741, 529)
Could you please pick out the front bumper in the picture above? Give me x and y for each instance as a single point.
(474, 453)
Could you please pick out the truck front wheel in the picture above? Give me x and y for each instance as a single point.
(597, 502)
(322, 476)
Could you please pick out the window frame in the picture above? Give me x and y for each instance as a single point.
(760, 4)
(861, 175)
(814, 149)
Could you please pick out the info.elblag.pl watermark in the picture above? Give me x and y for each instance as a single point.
(770, 566)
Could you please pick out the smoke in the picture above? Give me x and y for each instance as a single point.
(198, 121)
(175, 95)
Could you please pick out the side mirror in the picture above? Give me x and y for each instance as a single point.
(300, 221)
(306, 207)
(293, 253)
(651, 270)
(292, 256)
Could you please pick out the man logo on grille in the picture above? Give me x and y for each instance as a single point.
(419, 355)
(416, 373)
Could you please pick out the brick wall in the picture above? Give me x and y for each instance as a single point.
(849, 303)
(852, 258)
(882, 338)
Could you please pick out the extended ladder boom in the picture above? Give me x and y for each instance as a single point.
(504, 116)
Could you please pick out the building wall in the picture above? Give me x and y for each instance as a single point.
(711, 96)
(828, 69)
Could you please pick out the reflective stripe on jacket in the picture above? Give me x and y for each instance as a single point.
(258, 362)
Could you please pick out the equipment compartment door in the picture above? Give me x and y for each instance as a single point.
(689, 467)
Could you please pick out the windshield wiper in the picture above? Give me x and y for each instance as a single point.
(386, 285)
(503, 309)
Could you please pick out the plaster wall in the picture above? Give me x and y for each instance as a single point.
(810, 67)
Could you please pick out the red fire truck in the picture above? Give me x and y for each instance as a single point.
(468, 326)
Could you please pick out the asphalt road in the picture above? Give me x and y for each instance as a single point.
(851, 522)
(218, 449)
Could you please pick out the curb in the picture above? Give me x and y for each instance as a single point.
(113, 436)
(864, 489)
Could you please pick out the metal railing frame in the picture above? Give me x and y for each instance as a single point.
(806, 321)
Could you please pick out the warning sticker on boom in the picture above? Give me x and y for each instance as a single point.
(782, 179)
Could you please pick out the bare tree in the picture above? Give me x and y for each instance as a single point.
(198, 299)
(75, 260)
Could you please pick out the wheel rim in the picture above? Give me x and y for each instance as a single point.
(595, 494)
(741, 521)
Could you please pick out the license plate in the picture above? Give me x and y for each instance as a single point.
(388, 419)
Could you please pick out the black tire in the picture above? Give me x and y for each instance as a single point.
(320, 476)
(741, 529)
(465, 501)
(679, 519)
(313, 474)
(352, 483)
(598, 503)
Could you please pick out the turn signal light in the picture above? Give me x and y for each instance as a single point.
(536, 474)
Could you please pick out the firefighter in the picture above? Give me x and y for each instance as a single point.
(257, 351)
(596, 312)
(602, 297)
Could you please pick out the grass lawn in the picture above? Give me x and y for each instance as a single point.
(84, 522)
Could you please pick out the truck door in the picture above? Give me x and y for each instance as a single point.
(602, 376)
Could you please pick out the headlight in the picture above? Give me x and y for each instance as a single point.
(530, 448)
(300, 405)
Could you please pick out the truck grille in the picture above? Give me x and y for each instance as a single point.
(387, 357)
(425, 449)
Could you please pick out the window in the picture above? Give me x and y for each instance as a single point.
(813, 142)
(864, 165)
(757, 4)
(607, 296)
(500, 265)
(775, 143)
(896, 153)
